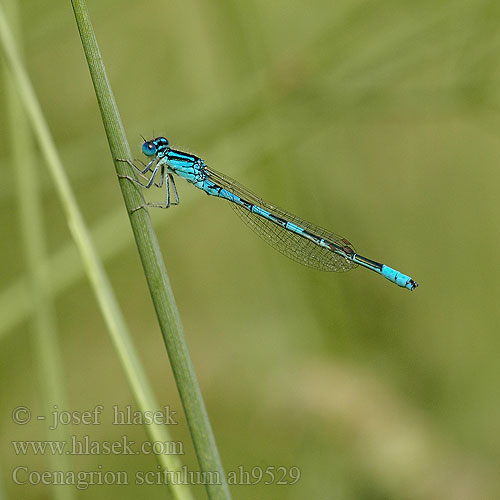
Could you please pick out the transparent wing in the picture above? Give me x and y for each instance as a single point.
(294, 246)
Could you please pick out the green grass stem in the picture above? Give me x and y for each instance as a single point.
(94, 269)
(154, 267)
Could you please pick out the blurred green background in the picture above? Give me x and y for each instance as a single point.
(378, 120)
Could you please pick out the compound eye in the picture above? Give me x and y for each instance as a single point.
(148, 148)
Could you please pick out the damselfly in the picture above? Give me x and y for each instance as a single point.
(300, 240)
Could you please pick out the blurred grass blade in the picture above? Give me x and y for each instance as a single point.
(154, 268)
(3, 491)
(47, 350)
(106, 299)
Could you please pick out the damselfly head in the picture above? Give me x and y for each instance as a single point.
(149, 148)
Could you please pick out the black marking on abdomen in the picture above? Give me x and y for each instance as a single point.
(316, 238)
(278, 220)
(246, 204)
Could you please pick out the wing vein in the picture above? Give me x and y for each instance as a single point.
(291, 244)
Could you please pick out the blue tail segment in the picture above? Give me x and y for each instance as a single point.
(398, 278)
(298, 239)
(387, 272)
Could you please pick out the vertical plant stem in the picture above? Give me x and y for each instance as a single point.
(100, 283)
(154, 267)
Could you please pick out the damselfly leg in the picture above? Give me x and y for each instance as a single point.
(165, 177)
